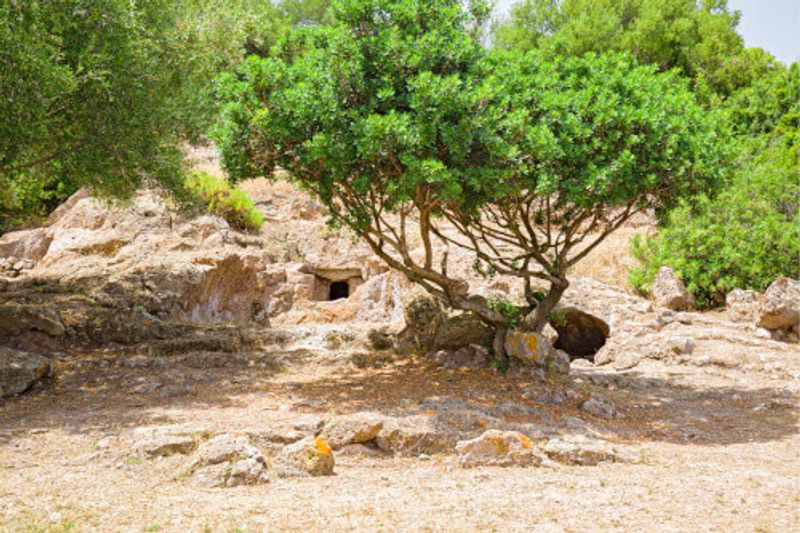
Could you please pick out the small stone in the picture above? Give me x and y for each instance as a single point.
(250, 471)
(166, 445)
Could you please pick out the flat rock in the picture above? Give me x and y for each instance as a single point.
(581, 450)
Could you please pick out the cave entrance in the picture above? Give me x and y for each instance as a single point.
(339, 290)
(580, 334)
(332, 284)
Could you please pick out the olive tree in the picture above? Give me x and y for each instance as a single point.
(410, 131)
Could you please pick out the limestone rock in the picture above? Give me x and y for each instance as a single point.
(227, 460)
(461, 330)
(352, 429)
(582, 450)
(311, 456)
(742, 305)
(412, 435)
(20, 370)
(29, 244)
(498, 448)
(780, 305)
(599, 407)
(579, 333)
(535, 349)
(670, 292)
(167, 444)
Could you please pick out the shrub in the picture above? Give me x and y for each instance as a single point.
(221, 199)
(744, 238)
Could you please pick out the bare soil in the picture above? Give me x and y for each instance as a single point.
(717, 450)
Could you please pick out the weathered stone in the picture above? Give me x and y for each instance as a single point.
(413, 435)
(535, 349)
(461, 330)
(581, 450)
(670, 292)
(780, 305)
(167, 444)
(351, 429)
(211, 476)
(29, 244)
(311, 456)
(742, 305)
(16, 319)
(498, 448)
(222, 448)
(249, 471)
(20, 370)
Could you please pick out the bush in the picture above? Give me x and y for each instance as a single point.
(222, 199)
(744, 238)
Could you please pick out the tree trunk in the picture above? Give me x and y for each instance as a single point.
(539, 317)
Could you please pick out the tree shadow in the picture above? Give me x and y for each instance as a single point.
(103, 392)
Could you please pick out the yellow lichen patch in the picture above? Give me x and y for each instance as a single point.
(323, 447)
(499, 444)
(430, 413)
(526, 442)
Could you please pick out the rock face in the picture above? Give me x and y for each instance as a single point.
(20, 370)
(780, 305)
(742, 305)
(670, 292)
(535, 349)
(311, 456)
(498, 448)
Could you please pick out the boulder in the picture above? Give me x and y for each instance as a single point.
(498, 448)
(670, 292)
(535, 349)
(413, 435)
(742, 305)
(163, 444)
(461, 330)
(780, 305)
(311, 456)
(352, 429)
(227, 460)
(20, 370)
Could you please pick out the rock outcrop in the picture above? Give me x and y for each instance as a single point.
(780, 305)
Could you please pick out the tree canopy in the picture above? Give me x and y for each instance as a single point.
(697, 38)
(398, 118)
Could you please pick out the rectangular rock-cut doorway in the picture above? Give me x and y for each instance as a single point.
(335, 284)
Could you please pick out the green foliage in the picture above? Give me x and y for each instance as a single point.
(86, 98)
(396, 107)
(697, 38)
(750, 233)
(221, 199)
(507, 308)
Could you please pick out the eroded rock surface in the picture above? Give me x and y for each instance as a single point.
(20, 370)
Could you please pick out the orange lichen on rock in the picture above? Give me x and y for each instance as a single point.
(323, 447)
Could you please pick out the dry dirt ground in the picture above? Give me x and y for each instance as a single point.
(715, 450)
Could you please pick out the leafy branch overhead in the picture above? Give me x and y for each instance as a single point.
(408, 129)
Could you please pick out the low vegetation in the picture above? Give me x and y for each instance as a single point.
(220, 198)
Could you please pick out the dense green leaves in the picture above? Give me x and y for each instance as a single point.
(697, 38)
(749, 234)
(396, 107)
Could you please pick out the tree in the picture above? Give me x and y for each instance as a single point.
(749, 234)
(407, 128)
(698, 38)
(86, 98)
